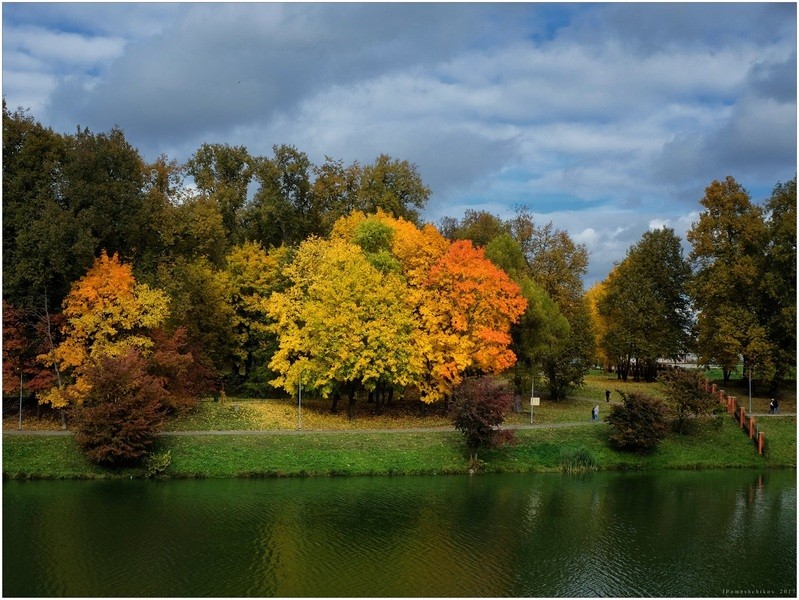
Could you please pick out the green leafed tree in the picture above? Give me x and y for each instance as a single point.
(200, 301)
(557, 265)
(393, 186)
(223, 173)
(729, 243)
(645, 306)
(778, 281)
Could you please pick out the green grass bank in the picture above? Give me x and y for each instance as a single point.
(718, 444)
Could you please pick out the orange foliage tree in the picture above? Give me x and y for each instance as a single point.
(106, 314)
(468, 306)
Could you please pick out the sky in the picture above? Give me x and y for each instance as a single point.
(607, 120)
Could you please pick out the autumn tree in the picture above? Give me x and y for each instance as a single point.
(106, 314)
(253, 275)
(599, 325)
(468, 307)
(184, 373)
(342, 324)
(462, 303)
(728, 242)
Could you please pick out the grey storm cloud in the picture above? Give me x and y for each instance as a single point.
(227, 65)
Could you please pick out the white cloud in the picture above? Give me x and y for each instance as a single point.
(655, 224)
(59, 48)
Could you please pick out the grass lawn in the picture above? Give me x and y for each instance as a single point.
(718, 444)
(337, 450)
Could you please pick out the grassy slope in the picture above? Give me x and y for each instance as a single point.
(718, 444)
(395, 453)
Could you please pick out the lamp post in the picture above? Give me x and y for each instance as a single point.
(299, 402)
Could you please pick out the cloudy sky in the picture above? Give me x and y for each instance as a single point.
(606, 119)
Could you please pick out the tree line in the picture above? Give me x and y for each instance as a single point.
(249, 232)
(732, 301)
(256, 273)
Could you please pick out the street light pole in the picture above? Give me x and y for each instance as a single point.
(299, 402)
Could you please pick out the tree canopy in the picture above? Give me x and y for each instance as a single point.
(244, 262)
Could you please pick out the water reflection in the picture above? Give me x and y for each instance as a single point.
(606, 534)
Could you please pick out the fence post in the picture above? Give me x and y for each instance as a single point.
(731, 404)
(713, 388)
(741, 415)
(751, 427)
(761, 440)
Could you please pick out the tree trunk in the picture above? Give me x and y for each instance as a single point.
(52, 349)
(351, 405)
(334, 404)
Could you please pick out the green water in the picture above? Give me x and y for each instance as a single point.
(728, 533)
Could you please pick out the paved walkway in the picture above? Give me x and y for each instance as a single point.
(62, 432)
(56, 432)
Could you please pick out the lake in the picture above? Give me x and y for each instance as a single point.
(697, 533)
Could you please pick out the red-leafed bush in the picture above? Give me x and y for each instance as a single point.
(119, 418)
(479, 407)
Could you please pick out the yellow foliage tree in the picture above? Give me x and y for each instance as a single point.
(253, 275)
(599, 324)
(342, 324)
(106, 314)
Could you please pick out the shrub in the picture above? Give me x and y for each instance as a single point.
(117, 423)
(478, 409)
(638, 424)
(684, 391)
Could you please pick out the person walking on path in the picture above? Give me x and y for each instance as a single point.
(595, 413)
(607, 395)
